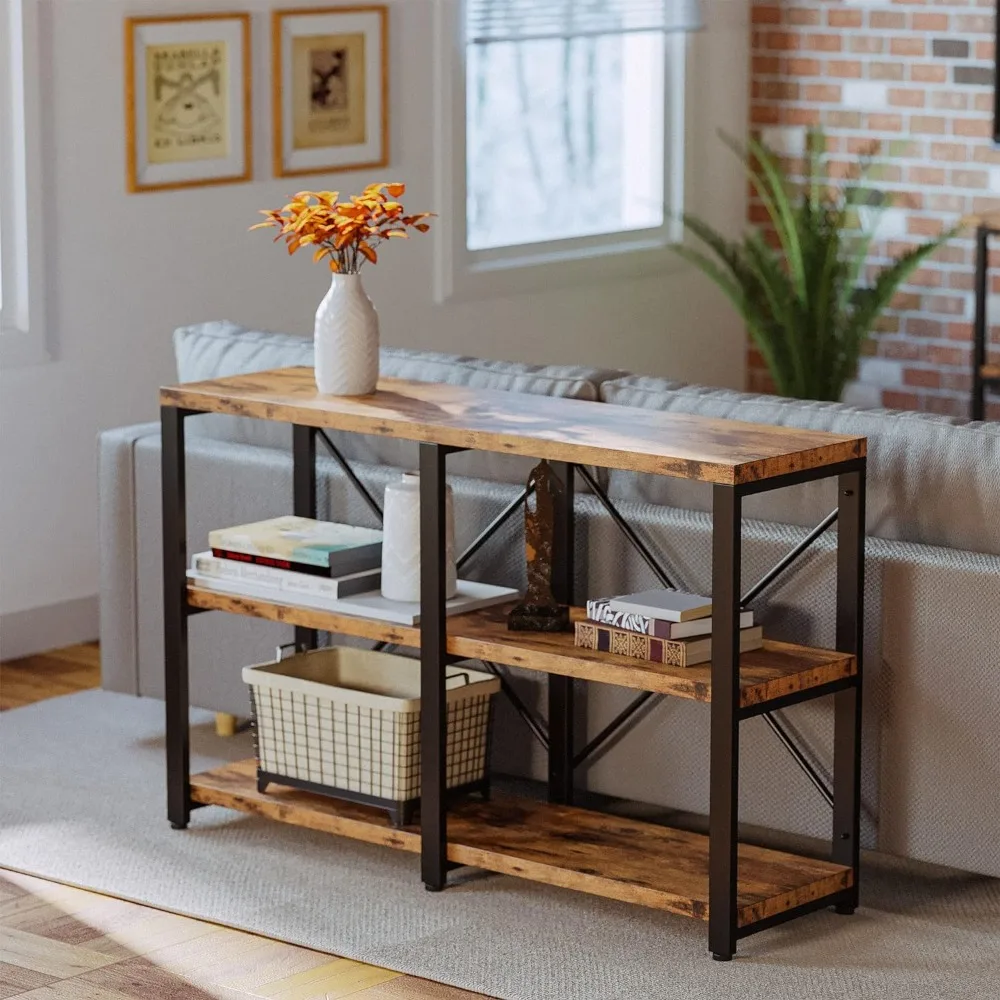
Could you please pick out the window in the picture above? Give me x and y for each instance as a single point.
(565, 125)
(22, 338)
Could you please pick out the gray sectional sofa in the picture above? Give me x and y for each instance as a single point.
(932, 722)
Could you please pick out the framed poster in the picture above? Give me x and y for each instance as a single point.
(187, 101)
(331, 89)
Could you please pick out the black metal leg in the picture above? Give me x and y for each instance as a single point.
(561, 707)
(847, 704)
(175, 626)
(304, 501)
(979, 329)
(725, 739)
(433, 659)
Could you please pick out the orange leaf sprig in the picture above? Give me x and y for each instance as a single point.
(346, 233)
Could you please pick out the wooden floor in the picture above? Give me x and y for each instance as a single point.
(48, 675)
(60, 943)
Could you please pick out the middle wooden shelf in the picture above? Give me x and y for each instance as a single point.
(776, 671)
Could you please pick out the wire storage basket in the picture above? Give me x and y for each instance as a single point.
(345, 722)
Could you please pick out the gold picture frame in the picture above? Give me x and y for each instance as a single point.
(330, 78)
(188, 101)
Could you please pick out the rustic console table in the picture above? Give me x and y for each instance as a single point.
(738, 888)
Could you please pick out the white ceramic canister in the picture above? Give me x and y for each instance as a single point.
(401, 541)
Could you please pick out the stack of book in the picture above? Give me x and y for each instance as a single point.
(662, 626)
(316, 564)
(291, 556)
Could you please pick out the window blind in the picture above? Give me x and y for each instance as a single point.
(489, 21)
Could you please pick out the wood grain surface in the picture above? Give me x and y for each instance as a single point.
(567, 430)
(776, 670)
(62, 943)
(592, 852)
(48, 675)
(990, 371)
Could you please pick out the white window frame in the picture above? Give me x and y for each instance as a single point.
(462, 274)
(22, 314)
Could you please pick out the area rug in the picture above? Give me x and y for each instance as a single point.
(82, 801)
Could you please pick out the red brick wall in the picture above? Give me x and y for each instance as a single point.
(918, 76)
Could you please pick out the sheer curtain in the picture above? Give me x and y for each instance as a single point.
(521, 20)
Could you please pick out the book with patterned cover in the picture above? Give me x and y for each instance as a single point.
(601, 612)
(672, 653)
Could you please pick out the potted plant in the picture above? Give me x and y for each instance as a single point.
(805, 300)
(345, 234)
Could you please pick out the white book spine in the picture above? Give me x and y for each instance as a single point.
(255, 588)
(278, 579)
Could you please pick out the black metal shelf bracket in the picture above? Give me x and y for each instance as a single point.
(789, 560)
(352, 477)
(625, 720)
(626, 529)
(538, 727)
(493, 527)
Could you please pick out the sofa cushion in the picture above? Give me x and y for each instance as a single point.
(931, 479)
(215, 350)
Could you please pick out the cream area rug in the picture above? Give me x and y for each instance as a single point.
(82, 801)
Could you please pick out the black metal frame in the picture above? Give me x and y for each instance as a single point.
(727, 715)
(726, 712)
(981, 325)
(175, 615)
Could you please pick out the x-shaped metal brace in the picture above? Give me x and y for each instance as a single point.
(647, 700)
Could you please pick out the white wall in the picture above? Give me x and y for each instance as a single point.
(124, 270)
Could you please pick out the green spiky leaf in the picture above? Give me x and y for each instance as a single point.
(804, 303)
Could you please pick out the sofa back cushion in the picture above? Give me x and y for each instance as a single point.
(931, 479)
(215, 350)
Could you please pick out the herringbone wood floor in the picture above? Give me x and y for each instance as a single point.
(61, 943)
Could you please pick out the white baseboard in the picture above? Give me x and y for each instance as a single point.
(24, 633)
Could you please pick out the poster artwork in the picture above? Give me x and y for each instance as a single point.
(187, 103)
(329, 91)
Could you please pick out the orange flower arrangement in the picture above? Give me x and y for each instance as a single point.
(347, 233)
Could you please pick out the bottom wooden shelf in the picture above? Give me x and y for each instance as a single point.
(561, 845)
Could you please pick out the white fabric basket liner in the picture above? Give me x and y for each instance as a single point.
(349, 720)
(379, 681)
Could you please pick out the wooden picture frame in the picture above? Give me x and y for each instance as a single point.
(330, 78)
(202, 130)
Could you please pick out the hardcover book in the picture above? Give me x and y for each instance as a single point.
(600, 611)
(301, 543)
(682, 653)
(667, 605)
(206, 564)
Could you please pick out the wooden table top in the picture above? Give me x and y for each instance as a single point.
(683, 445)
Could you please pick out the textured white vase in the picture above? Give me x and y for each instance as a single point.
(401, 541)
(346, 339)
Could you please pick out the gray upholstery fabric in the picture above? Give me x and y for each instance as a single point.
(932, 617)
(215, 350)
(931, 479)
(119, 539)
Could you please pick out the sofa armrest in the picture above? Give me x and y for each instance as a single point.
(117, 540)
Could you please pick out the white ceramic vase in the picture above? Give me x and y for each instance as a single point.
(346, 339)
(401, 541)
